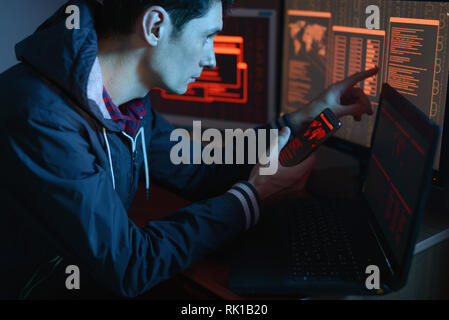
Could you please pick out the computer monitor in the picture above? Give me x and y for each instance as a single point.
(241, 92)
(326, 41)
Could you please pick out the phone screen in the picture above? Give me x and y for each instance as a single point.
(318, 131)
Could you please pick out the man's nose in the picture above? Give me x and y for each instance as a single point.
(210, 60)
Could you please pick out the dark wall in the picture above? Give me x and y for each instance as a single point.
(19, 19)
(263, 4)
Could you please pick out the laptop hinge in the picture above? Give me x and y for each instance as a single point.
(382, 249)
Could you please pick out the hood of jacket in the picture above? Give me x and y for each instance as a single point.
(69, 58)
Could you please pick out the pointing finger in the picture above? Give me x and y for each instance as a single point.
(356, 78)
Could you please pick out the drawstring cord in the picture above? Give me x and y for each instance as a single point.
(145, 158)
(109, 155)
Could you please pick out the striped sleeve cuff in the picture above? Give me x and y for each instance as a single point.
(247, 194)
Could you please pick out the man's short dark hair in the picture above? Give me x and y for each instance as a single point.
(118, 17)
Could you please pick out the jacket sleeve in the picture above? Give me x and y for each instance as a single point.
(198, 181)
(72, 200)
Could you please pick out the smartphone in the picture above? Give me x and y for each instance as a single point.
(305, 142)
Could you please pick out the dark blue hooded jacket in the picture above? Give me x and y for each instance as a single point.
(69, 175)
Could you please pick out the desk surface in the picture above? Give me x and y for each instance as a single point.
(213, 273)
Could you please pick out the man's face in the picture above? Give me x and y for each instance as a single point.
(181, 57)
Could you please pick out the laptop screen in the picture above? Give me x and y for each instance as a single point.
(402, 149)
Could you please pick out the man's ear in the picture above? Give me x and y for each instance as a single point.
(154, 25)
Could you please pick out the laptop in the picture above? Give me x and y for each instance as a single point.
(361, 246)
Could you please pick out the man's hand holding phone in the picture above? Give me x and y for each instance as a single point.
(288, 181)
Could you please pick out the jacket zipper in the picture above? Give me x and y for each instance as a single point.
(133, 159)
(134, 153)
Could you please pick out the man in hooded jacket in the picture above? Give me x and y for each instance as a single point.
(72, 159)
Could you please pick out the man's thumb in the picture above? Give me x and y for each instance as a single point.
(283, 138)
(276, 145)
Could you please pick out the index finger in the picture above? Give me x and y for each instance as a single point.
(356, 78)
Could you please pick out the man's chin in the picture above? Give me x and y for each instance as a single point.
(182, 92)
(177, 91)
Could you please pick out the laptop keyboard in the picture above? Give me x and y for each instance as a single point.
(321, 249)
